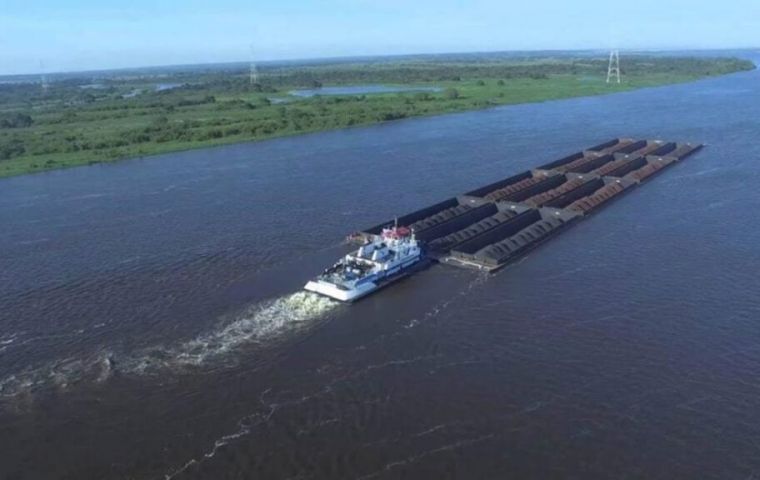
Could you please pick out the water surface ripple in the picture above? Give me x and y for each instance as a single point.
(151, 324)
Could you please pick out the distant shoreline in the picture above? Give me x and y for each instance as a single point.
(34, 77)
(72, 125)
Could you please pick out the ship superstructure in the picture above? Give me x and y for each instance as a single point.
(385, 258)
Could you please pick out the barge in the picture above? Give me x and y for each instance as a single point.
(491, 226)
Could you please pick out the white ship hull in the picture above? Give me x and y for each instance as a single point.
(377, 263)
(349, 295)
(329, 290)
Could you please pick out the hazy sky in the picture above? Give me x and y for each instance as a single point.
(92, 34)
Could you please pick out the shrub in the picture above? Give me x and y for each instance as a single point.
(15, 120)
(386, 116)
(14, 148)
(160, 122)
(451, 93)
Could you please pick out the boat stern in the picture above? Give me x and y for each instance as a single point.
(333, 291)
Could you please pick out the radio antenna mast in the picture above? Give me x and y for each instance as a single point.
(613, 70)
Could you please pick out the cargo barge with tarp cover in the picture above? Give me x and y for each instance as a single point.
(489, 227)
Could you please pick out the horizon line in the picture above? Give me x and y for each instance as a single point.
(369, 56)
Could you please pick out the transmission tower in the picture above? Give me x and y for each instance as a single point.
(43, 78)
(253, 74)
(613, 70)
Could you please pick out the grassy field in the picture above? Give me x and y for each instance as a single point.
(70, 125)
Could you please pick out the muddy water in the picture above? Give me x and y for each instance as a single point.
(151, 324)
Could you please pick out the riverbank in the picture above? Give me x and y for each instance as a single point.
(73, 124)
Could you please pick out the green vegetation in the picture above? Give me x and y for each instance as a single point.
(74, 122)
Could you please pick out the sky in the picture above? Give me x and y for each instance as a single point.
(72, 35)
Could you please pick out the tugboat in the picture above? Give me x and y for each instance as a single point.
(388, 257)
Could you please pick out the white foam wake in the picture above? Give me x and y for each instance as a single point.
(259, 323)
(60, 374)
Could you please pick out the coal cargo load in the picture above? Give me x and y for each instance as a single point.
(491, 226)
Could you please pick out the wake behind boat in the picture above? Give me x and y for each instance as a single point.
(385, 259)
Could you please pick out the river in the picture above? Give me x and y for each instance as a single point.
(151, 324)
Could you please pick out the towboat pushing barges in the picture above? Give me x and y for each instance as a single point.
(381, 260)
(489, 227)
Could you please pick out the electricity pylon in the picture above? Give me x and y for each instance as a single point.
(253, 74)
(613, 70)
(43, 78)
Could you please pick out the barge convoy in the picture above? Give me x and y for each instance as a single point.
(491, 226)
